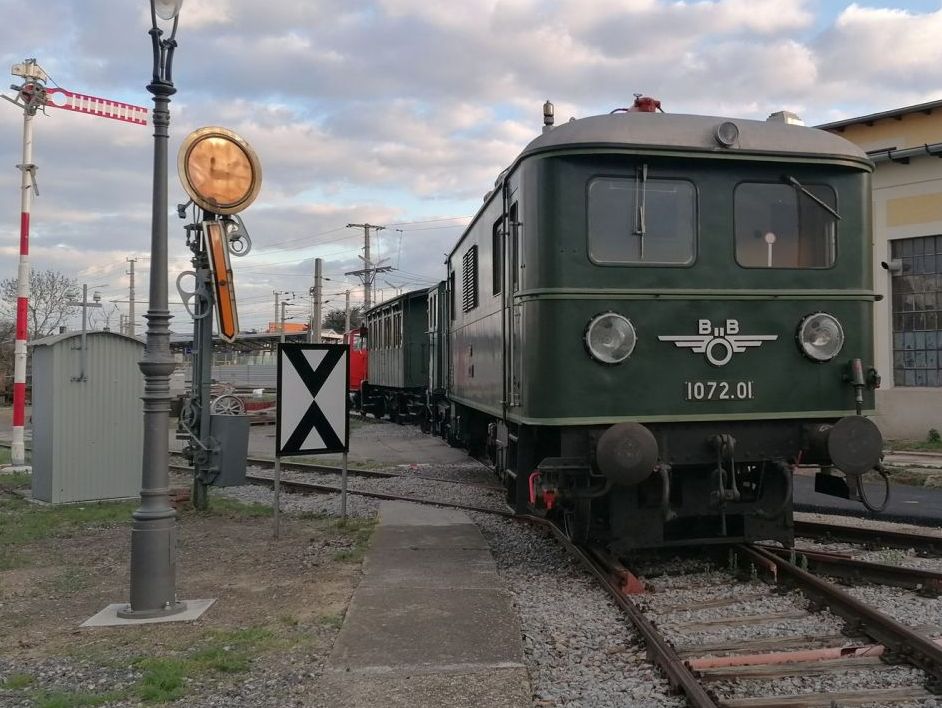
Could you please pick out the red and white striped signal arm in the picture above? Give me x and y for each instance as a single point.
(102, 107)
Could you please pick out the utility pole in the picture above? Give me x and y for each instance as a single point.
(346, 322)
(131, 324)
(314, 333)
(278, 294)
(368, 273)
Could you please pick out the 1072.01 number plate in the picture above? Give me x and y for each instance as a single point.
(719, 390)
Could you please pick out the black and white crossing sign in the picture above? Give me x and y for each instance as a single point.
(311, 412)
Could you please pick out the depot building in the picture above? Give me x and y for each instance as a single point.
(906, 146)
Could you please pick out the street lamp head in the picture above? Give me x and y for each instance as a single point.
(166, 9)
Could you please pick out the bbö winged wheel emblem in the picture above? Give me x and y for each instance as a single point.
(718, 344)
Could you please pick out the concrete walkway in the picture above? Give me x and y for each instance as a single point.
(430, 623)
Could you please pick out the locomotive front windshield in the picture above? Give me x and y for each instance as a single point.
(641, 220)
(655, 221)
(785, 225)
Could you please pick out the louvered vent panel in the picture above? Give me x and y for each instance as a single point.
(469, 279)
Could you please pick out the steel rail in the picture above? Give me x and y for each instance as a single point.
(883, 537)
(658, 649)
(313, 488)
(354, 471)
(847, 568)
(899, 639)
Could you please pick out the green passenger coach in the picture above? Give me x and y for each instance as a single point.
(653, 318)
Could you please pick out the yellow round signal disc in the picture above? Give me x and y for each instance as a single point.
(219, 170)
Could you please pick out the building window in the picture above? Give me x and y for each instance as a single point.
(469, 279)
(917, 311)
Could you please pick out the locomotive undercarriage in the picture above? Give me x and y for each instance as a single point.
(711, 483)
(707, 483)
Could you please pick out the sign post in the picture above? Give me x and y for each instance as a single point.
(312, 415)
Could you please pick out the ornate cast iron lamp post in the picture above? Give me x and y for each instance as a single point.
(154, 529)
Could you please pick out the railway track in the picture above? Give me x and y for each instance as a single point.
(926, 543)
(696, 669)
(308, 487)
(268, 463)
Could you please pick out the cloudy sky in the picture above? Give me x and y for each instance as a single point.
(401, 112)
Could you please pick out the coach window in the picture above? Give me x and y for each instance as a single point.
(451, 295)
(641, 220)
(785, 225)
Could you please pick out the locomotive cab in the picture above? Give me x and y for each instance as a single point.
(655, 318)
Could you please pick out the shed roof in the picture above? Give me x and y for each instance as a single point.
(56, 338)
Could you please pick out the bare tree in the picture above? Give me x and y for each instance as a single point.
(7, 332)
(335, 319)
(48, 308)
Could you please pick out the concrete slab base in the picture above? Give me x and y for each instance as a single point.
(491, 686)
(425, 627)
(108, 617)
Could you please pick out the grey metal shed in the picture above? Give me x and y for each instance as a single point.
(87, 434)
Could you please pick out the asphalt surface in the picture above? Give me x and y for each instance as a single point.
(912, 505)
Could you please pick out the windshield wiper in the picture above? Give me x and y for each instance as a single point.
(641, 183)
(817, 200)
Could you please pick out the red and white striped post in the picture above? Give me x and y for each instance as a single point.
(31, 97)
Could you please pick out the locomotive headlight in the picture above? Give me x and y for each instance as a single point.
(610, 338)
(820, 336)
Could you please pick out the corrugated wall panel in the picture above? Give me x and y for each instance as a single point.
(97, 444)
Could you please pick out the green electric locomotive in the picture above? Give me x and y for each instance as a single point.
(653, 318)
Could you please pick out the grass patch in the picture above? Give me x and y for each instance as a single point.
(289, 620)
(22, 522)
(357, 530)
(932, 443)
(227, 508)
(16, 682)
(73, 699)
(334, 620)
(6, 455)
(162, 680)
(915, 445)
(225, 651)
(15, 480)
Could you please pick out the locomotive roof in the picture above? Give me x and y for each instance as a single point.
(689, 132)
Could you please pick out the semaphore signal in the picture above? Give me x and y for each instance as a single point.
(33, 96)
(93, 105)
